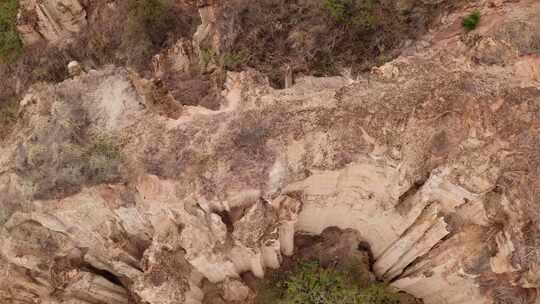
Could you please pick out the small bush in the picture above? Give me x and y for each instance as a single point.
(40, 62)
(71, 161)
(339, 9)
(207, 55)
(232, 61)
(358, 13)
(312, 284)
(318, 37)
(10, 44)
(470, 22)
(9, 108)
(136, 39)
(146, 16)
(104, 145)
(101, 158)
(8, 111)
(149, 25)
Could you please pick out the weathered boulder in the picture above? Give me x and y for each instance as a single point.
(74, 68)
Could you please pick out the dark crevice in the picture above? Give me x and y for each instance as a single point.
(404, 201)
(412, 190)
(405, 269)
(364, 246)
(227, 220)
(105, 274)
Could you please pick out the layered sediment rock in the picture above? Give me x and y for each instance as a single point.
(54, 21)
(433, 160)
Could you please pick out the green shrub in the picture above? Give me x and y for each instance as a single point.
(339, 9)
(207, 55)
(146, 13)
(358, 13)
(312, 284)
(104, 146)
(10, 44)
(470, 22)
(148, 25)
(233, 60)
(8, 110)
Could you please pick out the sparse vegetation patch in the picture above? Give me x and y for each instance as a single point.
(149, 24)
(319, 37)
(67, 157)
(311, 283)
(8, 110)
(471, 21)
(339, 9)
(10, 44)
(233, 60)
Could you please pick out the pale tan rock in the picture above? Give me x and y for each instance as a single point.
(528, 68)
(29, 35)
(234, 290)
(491, 51)
(431, 161)
(206, 40)
(74, 68)
(501, 263)
(427, 231)
(91, 288)
(446, 266)
(176, 59)
(288, 209)
(57, 21)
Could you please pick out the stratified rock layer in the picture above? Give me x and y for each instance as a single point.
(53, 21)
(434, 160)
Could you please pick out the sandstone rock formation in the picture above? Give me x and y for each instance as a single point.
(54, 21)
(433, 159)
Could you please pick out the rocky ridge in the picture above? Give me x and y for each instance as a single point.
(432, 158)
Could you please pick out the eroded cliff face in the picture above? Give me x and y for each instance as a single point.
(53, 21)
(433, 159)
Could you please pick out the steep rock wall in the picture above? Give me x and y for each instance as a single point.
(433, 159)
